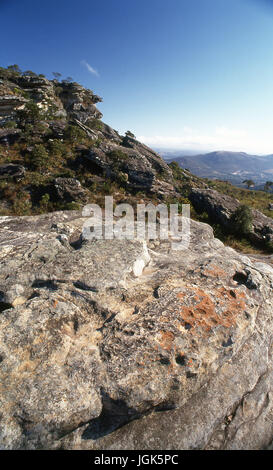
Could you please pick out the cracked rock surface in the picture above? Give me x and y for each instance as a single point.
(119, 344)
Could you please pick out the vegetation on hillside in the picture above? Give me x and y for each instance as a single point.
(259, 200)
(46, 157)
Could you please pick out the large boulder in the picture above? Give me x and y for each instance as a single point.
(10, 170)
(220, 208)
(69, 190)
(57, 128)
(144, 169)
(78, 102)
(9, 136)
(119, 344)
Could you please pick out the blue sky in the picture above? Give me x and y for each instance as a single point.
(189, 74)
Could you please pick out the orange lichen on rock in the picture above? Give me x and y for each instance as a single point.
(166, 340)
(199, 310)
(213, 270)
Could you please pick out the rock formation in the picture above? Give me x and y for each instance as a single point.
(121, 345)
(12, 171)
(220, 208)
(35, 111)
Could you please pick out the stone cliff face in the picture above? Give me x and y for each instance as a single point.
(68, 98)
(122, 345)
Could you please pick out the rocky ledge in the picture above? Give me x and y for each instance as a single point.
(220, 208)
(126, 345)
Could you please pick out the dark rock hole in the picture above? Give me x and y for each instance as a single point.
(227, 343)
(181, 360)
(81, 285)
(242, 278)
(165, 361)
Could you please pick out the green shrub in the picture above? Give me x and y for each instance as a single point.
(44, 202)
(39, 157)
(94, 124)
(72, 206)
(57, 148)
(30, 114)
(74, 133)
(22, 203)
(241, 220)
(117, 155)
(10, 125)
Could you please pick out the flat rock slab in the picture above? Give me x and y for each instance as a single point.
(123, 344)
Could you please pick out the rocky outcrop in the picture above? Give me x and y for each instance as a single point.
(64, 100)
(68, 189)
(79, 102)
(220, 208)
(119, 344)
(139, 167)
(9, 136)
(9, 105)
(123, 159)
(38, 89)
(12, 171)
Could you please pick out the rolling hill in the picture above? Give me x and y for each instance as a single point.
(231, 166)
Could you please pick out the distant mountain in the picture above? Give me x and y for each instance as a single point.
(232, 166)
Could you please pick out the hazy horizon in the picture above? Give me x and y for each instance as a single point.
(192, 151)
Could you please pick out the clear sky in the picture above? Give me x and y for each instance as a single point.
(189, 74)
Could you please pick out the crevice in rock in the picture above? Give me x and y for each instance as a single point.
(254, 419)
(165, 361)
(42, 284)
(34, 295)
(81, 285)
(156, 294)
(227, 343)
(136, 310)
(4, 306)
(190, 375)
(233, 412)
(115, 414)
(76, 324)
(165, 406)
(108, 320)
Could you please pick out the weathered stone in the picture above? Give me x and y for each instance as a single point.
(57, 127)
(9, 105)
(172, 347)
(10, 170)
(79, 102)
(69, 189)
(142, 166)
(220, 208)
